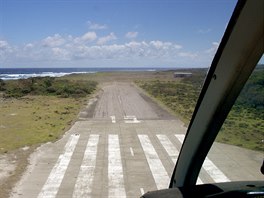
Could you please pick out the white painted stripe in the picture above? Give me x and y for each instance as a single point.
(132, 152)
(116, 187)
(113, 119)
(169, 147)
(216, 174)
(142, 191)
(159, 173)
(181, 137)
(83, 185)
(131, 119)
(51, 187)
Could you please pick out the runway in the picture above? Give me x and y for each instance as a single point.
(123, 147)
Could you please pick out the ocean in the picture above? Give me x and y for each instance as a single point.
(23, 73)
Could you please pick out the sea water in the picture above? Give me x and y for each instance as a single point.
(23, 73)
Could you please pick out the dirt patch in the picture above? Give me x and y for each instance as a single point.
(12, 167)
(88, 111)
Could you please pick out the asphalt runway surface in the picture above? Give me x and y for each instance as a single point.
(124, 145)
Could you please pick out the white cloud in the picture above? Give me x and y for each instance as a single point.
(96, 26)
(60, 54)
(204, 31)
(213, 49)
(5, 49)
(164, 45)
(176, 46)
(88, 49)
(29, 45)
(187, 55)
(4, 45)
(131, 35)
(89, 36)
(53, 41)
(103, 40)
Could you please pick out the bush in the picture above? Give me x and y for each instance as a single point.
(48, 86)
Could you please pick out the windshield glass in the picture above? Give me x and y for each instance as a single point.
(96, 96)
(237, 154)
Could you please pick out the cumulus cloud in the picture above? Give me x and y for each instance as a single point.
(89, 36)
(60, 54)
(204, 31)
(89, 48)
(188, 55)
(96, 26)
(213, 49)
(164, 45)
(104, 40)
(29, 45)
(5, 49)
(53, 41)
(131, 35)
(4, 45)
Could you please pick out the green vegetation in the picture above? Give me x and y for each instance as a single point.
(47, 86)
(32, 120)
(38, 110)
(244, 126)
(179, 95)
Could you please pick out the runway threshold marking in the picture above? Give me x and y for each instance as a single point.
(83, 185)
(50, 188)
(169, 147)
(215, 173)
(171, 150)
(142, 191)
(159, 173)
(116, 187)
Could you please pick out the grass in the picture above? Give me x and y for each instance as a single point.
(243, 128)
(33, 120)
(179, 95)
(39, 110)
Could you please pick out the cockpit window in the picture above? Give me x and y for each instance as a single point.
(239, 146)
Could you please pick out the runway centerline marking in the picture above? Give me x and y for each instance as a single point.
(131, 151)
(131, 119)
(215, 173)
(51, 187)
(113, 118)
(83, 185)
(159, 173)
(116, 187)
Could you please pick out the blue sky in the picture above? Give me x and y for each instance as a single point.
(111, 33)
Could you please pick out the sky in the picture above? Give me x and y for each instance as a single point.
(111, 33)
